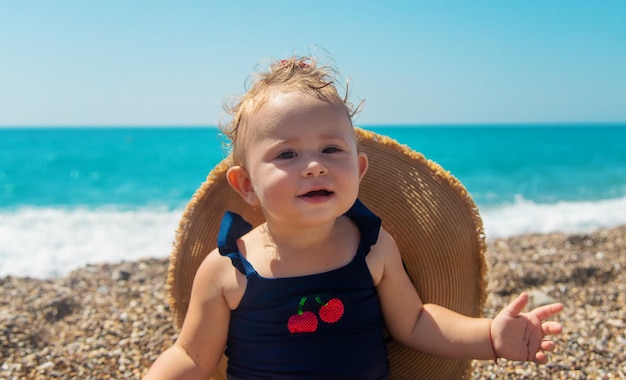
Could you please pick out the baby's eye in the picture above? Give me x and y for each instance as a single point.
(331, 149)
(286, 154)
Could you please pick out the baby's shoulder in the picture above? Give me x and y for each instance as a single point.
(385, 245)
(381, 253)
(218, 276)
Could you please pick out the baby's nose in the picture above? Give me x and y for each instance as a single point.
(315, 168)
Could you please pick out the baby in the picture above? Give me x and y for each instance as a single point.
(296, 158)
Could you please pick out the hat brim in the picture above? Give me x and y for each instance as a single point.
(430, 214)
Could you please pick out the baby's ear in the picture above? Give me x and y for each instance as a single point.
(239, 180)
(363, 163)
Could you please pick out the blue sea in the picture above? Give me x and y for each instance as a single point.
(72, 196)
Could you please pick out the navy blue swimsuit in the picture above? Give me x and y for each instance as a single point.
(320, 326)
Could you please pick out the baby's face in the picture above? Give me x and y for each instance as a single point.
(302, 158)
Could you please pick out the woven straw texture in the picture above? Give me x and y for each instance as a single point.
(428, 212)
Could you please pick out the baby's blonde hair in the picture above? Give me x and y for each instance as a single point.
(292, 74)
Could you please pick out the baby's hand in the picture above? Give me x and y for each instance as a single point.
(520, 336)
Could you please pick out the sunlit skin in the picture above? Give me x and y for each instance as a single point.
(302, 169)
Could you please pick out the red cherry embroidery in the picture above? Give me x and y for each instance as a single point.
(306, 321)
(302, 323)
(332, 311)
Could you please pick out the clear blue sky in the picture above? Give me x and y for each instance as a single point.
(415, 62)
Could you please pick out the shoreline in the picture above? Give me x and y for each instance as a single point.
(113, 320)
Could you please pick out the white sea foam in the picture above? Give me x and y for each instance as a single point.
(524, 216)
(46, 242)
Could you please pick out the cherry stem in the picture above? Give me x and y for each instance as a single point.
(302, 302)
(318, 298)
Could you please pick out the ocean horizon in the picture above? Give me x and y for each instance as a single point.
(71, 195)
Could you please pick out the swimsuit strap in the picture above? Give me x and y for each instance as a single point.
(368, 224)
(233, 227)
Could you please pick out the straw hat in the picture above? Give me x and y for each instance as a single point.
(429, 213)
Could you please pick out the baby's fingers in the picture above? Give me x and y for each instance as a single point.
(541, 358)
(547, 311)
(515, 308)
(547, 345)
(551, 328)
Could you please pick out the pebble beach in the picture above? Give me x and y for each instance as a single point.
(111, 321)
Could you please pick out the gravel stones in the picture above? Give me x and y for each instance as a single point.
(112, 321)
(585, 272)
(93, 324)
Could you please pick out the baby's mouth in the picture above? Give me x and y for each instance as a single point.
(317, 193)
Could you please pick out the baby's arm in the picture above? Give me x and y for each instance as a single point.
(439, 331)
(200, 344)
